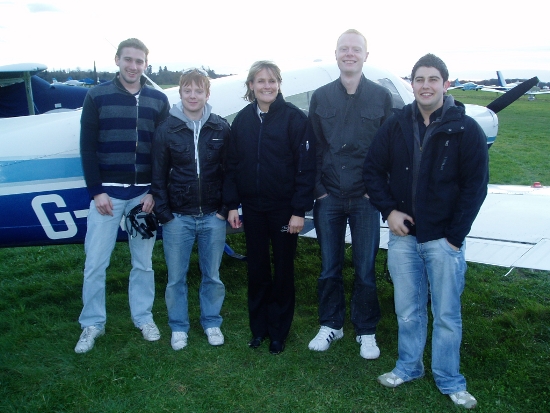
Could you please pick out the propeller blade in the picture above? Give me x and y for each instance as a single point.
(512, 95)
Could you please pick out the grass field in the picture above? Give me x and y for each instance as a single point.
(505, 351)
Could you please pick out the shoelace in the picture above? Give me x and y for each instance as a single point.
(216, 333)
(328, 336)
(370, 340)
(87, 334)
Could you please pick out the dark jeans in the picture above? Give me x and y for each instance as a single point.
(331, 215)
(271, 298)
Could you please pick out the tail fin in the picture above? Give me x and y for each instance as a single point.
(501, 80)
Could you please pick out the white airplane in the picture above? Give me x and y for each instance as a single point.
(68, 82)
(44, 200)
(465, 86)
(505, 87)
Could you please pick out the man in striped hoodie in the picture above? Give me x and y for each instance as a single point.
(117, 127)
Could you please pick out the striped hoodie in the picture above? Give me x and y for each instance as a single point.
(116, 134)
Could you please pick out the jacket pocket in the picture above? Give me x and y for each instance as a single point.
(179, 197)
(214, 149)
(214, 193)
(327, 119)
(325, 112)
(181, 153)
(371, 120)
(374, 114)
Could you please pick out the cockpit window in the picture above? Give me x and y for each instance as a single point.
(396, 97)
(302, 100)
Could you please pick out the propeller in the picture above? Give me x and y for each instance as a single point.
(512, 95)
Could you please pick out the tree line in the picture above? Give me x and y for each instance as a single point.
(168, 77)
(162, 77)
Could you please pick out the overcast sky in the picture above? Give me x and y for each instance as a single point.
(474, 38)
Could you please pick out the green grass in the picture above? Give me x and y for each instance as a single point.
(521, 153)
(505, 351)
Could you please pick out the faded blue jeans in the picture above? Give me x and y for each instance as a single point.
(416, 271)
(331, 215)
(178, 236)
(99, 244)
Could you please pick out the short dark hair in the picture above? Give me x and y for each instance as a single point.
(135, 43)
(431, 60)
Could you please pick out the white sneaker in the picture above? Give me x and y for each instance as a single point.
(324, 337)
(390, 380)
(369, 349)
(215, 336)
(463, 399)
(87, 339)
(150, 332)
(179, 340)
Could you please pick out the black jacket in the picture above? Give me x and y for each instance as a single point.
(345, 126)
(270, 164)
(452, 178)
(176, 187)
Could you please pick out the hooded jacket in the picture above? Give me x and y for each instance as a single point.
(453, 172)
(188, 177)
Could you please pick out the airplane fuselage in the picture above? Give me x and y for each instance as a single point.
(43, 197)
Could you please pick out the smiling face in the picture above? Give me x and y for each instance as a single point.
(132, 63)
(193, 98)
(265, 87)
(351, 53)
(429, 88)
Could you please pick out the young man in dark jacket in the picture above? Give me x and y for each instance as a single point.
(345, 115)
(117, 126)
(188, 161)
(427, 172)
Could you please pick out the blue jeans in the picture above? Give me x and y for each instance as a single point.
(331, 215)
(99, 244)
(178, 236)
(418, 270)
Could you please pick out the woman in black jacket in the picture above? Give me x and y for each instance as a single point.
(271, 173)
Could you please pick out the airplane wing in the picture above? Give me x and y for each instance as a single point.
(10, 74)
(539, 92)
(511, 230)
(496, 89)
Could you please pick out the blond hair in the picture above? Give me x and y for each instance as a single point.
(256, 68)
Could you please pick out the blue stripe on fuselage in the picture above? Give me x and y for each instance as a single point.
(39, 169)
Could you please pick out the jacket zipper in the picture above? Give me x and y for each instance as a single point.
(258, 156)
(137, 139)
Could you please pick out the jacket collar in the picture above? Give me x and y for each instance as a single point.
(357, 93)
(116, 81)
(276, 105)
